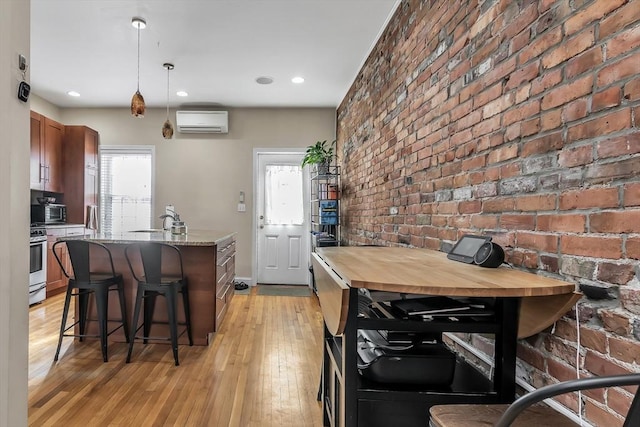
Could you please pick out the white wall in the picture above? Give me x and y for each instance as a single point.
(14, 227)
(202, 175)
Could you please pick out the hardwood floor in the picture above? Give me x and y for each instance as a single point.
(262, 369)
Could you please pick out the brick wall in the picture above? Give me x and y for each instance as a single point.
(518, 119)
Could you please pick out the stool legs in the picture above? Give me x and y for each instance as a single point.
(134, 322)
(187, 312)
(172, 295)
(63, 323)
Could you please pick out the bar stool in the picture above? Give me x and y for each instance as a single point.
(86, 280)
(163, 275)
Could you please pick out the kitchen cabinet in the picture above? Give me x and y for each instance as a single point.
(46, 165)
(225, 275)
(80, 171)
(56, 280)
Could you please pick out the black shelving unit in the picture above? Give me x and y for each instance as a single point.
(325, 207)
(351, 400)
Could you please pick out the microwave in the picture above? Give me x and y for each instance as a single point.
(49, 214)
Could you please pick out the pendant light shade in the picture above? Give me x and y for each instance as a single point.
(167, 127)
(137, 102)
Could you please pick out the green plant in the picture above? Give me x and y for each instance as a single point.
(320, 152)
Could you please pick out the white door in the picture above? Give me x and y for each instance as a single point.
(282, 211)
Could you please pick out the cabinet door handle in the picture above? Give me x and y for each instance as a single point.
(47, 173)
(41, 173)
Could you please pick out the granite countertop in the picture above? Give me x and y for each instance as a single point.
(192, 238)
(65, 225)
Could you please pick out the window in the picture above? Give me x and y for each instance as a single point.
(283, 195)
(126, 188)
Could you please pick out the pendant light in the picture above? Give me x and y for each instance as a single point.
(137, 102)
(167, 127)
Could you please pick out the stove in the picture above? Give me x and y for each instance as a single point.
(37, 264)
(37, 234)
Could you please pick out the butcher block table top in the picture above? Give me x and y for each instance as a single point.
(429, 272)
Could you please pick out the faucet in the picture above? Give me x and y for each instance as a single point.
(177, 226)
(175, 218)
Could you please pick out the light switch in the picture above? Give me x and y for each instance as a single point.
(242, 207)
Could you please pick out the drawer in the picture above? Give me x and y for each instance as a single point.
(75, 231)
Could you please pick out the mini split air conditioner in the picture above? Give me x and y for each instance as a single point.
(202, 121)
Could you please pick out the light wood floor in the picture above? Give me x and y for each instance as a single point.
(262, 369)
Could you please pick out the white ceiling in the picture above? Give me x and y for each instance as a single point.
(218, 47)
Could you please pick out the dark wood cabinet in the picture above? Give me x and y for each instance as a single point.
(80, 171)
(225, 275)
(46, 163)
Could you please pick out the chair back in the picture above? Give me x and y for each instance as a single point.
(80, 252)
(158, 260)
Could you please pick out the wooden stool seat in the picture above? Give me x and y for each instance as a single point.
(488, 415)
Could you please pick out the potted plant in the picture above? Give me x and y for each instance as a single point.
(321, 154)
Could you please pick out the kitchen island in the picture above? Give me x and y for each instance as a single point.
(208, 258)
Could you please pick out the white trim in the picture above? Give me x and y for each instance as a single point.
(254, 212)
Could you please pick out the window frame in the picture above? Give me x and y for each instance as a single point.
(129, 149)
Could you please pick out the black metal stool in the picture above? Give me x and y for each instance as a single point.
(86, 281)
(163, 275)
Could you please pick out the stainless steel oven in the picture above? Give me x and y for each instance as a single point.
(37, 265)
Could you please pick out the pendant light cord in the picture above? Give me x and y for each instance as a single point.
(168, 69)
(138, 56)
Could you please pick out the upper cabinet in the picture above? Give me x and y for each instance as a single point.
(47, 137)
(81, 171)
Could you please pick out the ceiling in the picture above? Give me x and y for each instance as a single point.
(218, 47)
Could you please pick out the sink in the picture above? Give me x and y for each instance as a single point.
(151, 230)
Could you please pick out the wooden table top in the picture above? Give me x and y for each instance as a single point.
(424, 271)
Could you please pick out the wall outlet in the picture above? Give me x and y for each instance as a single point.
(242, 207)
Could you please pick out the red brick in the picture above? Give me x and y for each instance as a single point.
(595, 339)
(624, 350)
(627, 221)
(619, 274)
(575, 223)
(517, 222)
(569, 48)
(560, 371)
(522, 75)
(543, 144)
(607, 98)
(600, 366)
(498, 205)
(606, 172)
(470, 207)
(551, 120)
(560, 349)
(597, 10)
(585, 62)
(540, 44)
(623, 42)
(546, 81)
(537, 241)
(603, 197)
(631, 90)
(524, 258)
(619, 401)
(536, 202)
(578, 156)
(633, 247)
(566, 93)
(619, 19)
(566, 329)
(626, 67)
(592, 246)
(521, 112)
(619, 146)
(599, 415)
(632, 194)
(609, 123)
(489, 222)
(630, 299)
(531, 356)
(575, 110)
(503, 153)
(614, 321)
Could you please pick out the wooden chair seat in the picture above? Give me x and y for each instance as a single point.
(488, 415)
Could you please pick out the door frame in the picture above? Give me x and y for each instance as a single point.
(254, 211)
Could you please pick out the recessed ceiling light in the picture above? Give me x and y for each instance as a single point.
(182, 93)
(297, 80)
(73, 93)
(264, 80)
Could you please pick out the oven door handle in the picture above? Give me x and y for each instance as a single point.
(44, 285)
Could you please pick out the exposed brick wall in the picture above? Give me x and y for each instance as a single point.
(519, 119)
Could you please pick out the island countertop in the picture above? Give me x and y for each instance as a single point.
(192, 238)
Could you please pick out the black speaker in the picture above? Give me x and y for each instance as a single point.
(23, 91)
(489, 255)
